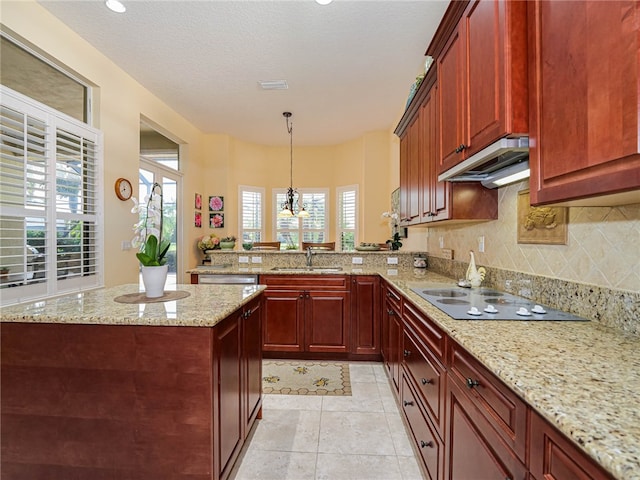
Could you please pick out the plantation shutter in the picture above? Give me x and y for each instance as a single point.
(251, 214)
(49, 165)
(347, 217)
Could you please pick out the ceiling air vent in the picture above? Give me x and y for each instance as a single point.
(273, 84)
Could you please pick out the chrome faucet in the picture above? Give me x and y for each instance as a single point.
(309, 255)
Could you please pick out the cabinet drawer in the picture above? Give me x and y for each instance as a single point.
(392, 296)
(502, 408)
(427, 376)
(426, 441)
(305, 282)
(426, 329)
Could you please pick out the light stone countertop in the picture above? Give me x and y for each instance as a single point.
(204, 307)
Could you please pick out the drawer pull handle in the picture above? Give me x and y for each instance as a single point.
(425, 381)
(461, 147)
(391, 312)
(472, 383)
(426, 444)
(407, 353)
(407, 403)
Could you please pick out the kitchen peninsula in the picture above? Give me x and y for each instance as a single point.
(93, 388)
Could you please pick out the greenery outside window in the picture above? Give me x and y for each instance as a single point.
(251, 208)
(347, 218)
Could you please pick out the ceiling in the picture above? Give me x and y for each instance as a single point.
(349, 65)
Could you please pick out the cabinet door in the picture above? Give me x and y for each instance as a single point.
(584, 101)
(390, 330)
(252, 343)
(553, 457)
(395, 347)
(410, 171)
(451, 113)
(434, 194)
(283, 321)
(365, 315)
(404, 178)
(228, 398)
(496, 93)
(327, 321)
(473, 450)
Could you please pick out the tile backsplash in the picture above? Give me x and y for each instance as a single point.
(603, 245)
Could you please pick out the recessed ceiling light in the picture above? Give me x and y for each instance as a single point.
(115, 6)
(323, 2)
(273, 84)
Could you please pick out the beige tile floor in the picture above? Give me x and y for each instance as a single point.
(332, 438)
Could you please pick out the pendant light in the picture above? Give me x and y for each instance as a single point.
(292, 194)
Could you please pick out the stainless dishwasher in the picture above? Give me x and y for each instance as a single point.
(228, 279)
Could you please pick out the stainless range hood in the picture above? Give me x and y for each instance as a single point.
(491, 165)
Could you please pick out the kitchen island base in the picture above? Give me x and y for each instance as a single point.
(127, 401)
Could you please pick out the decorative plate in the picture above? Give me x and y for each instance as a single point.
(370, 248)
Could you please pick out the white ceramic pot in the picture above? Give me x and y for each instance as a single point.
(154, 279)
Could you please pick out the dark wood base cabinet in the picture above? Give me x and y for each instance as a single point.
(553, 457)
(321, 316)
(100, 402)
(474, 450)
(391, 334)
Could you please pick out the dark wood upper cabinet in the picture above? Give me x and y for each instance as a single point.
(482, 79)
(410, 171)
(584, 75)
(423, 198)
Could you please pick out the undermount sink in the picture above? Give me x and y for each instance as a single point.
(307, 269)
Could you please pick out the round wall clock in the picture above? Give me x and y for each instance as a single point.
(123, 189)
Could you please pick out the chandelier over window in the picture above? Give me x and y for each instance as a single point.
(293, 197)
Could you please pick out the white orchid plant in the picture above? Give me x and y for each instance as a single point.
(394, 220)
(148, 231)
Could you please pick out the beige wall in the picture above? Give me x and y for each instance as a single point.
(211, 164)
(363, 162)
(120, 103)
(603, 246)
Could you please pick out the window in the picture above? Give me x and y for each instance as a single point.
(347, 228)
(49, 225)
(158, 148)
(24, 70)
(292, 231)
(251, 208)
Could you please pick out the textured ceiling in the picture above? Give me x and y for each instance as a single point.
(349, 65)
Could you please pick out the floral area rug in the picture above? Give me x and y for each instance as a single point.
(305, 377)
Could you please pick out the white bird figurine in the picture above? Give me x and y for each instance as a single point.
(475, 276)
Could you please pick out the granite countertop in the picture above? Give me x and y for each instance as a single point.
(204, 307)
(582, 377)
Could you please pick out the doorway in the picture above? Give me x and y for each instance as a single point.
(159, 163)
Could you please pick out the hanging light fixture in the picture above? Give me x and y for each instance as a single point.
(292, 194)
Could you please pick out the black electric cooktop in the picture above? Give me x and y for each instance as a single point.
(487, 304)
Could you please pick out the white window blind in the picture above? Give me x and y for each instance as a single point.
(49, 225)
(347, 227)
(292, 231)
(251, 201)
